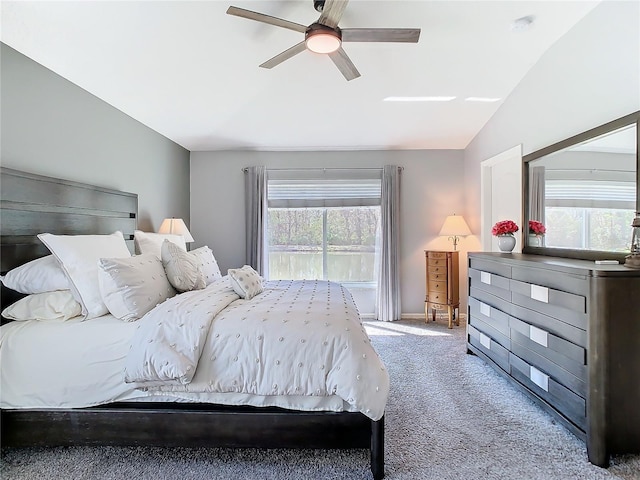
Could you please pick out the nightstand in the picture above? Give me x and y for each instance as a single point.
(442, 284)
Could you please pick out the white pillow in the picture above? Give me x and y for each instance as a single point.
(245, 282)
(130, 287)
(207, 264)
(152, 242)
(78, 255)
(181, 268)
(37, 276)
(58, 305)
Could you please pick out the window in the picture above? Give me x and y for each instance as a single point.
(323, 224)
(589, 215)
(336, 243)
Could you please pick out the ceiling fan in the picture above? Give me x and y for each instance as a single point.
(324, 35)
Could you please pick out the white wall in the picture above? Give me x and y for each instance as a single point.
(589, 77)
(431, 189)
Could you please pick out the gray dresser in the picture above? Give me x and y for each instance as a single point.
(567, 332)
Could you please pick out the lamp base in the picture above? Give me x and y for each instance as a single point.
(632, 261)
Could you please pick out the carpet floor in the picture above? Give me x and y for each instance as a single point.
(449, 416)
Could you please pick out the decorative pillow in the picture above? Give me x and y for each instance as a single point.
(207, 264)
(152, 242)
(37, 276)
(181, 268)
(245, 282)
(130, 287)
(58, 305)
(78, 256)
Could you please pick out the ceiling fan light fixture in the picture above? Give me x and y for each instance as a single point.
(323, 40)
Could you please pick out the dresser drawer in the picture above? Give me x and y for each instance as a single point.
(576, 284)
(568, 307)
(489, 299)
(490, 267)
(489, 347)
(568, 403)
(577, 382)
(491, 283)
(483, 327)
(436, 255)
(491, 316)
(566, 354)
(573, 334)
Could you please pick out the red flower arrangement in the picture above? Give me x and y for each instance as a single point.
(536, 228)
(504, 227)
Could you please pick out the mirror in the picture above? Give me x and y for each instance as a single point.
(584, 193)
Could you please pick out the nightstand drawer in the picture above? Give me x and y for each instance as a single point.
(437, 285)
(440, 277)
(437, 297)
(437, 270)
(439, 255)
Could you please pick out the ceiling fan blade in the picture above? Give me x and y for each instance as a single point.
(332, 12)
(409, 35)
(261, 17)
(344, 64)
(287, 54)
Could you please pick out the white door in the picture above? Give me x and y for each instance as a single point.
(501, 199)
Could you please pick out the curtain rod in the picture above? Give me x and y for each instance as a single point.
(245, 169)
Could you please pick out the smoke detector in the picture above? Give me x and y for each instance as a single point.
(523, 23)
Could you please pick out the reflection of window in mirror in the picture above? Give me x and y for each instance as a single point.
(585, 194)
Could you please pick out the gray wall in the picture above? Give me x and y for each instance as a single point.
(431, 190)
(50, 126)
(589, 77)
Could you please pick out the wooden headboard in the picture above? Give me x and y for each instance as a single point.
(31, 204)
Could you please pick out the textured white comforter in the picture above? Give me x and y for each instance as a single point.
(297, 338)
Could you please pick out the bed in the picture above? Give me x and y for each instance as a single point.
(182, 408)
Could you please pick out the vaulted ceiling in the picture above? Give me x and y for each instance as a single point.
(190, 71)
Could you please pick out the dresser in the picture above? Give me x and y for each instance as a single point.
(442, 284)
(567, 333)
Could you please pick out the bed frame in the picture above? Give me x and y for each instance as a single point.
(32, 204)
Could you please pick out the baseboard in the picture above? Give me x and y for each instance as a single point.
(413, 316)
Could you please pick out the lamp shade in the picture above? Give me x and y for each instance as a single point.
(176, 226)
(455, 225)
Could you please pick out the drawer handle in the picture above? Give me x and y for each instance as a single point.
(485, 341)
(485, 309)
(539, 378)
(538, 335)
(540, 293)
(485, 277)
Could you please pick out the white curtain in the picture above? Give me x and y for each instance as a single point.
(255, 195)
(388, 306)
(537, 194)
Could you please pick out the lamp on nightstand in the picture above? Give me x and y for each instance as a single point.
(176, 226)
(455, 227)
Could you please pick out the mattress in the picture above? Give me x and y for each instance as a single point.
(75, 363)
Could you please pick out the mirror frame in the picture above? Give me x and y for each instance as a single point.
(561, 145)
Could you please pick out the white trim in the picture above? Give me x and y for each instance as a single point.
(485, 192)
